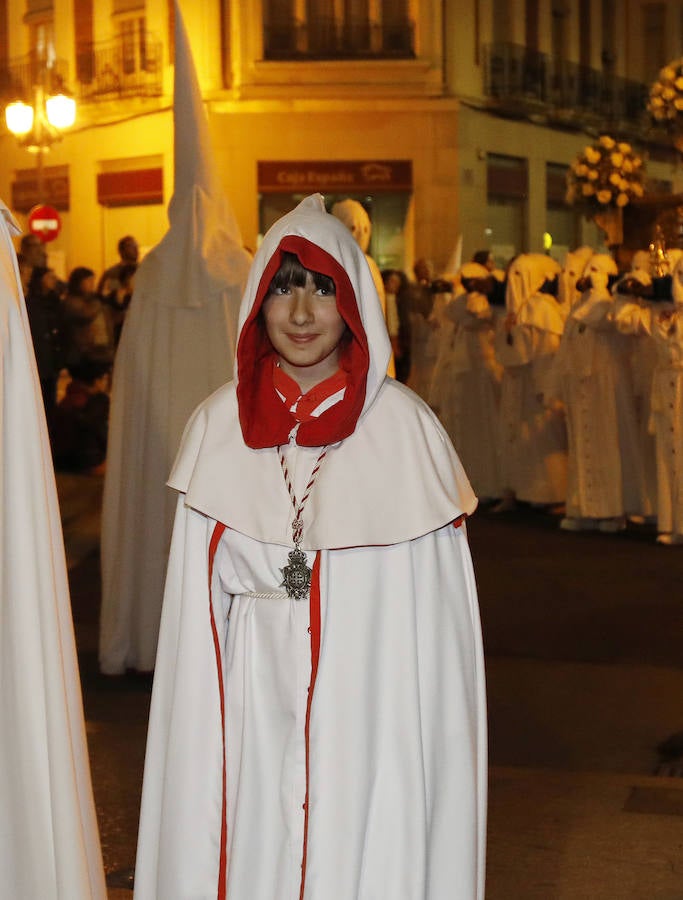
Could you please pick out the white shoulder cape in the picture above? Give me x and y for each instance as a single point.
(399, 467)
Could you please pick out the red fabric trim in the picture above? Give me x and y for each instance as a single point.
(264, 419)
(306, 403)
(459, 521)
(314, 602)
(223, 858)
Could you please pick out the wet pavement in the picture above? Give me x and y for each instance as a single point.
(585, 675)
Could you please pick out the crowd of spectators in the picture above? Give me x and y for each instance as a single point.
(76, 327)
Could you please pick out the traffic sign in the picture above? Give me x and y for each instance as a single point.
(45, 222)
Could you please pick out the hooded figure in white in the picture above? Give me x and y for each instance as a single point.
(532, 432)
(633, 311)
(331, 746)
(605, 479)
(176, 347)
(667, 411)
(573, 267)
(354, 216)
(468, 377)
(49, 844)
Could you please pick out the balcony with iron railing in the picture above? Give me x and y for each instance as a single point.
(19, 77)
(324, 38)
(526, 82)
(127, 66)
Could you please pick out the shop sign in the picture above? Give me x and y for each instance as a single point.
(55, 190)
(336, 177)
(133, 187)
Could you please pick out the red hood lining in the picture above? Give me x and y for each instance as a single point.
(264, 419)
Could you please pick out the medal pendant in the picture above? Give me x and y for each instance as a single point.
(297, 575)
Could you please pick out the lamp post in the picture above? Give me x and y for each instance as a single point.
(39, 125)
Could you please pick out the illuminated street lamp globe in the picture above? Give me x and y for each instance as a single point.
(61, 110)
(19, 117)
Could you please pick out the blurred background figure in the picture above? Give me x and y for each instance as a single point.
(129, 254)
(352, 214)
(81, 419)
(86, 328)
(43, 306)
(118, 300)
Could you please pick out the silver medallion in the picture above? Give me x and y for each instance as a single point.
(297, 575)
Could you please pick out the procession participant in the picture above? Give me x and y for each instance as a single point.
(667, 412)
(354, 215)
(177, 346)
(573, 267)
(533, 438)
(469, 395)
(50, 848)
(634, 298)
(605, 478)
(317, 725)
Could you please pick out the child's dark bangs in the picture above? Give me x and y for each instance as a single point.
(292, 274)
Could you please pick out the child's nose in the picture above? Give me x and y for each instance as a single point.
(300, 312)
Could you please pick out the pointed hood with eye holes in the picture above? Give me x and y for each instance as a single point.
(323, 244)
(390, 474)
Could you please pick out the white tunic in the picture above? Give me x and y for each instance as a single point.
(533, 436)
(605, 466)
(469, 392)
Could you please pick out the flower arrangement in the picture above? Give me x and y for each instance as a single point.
(605, 175)
(666, 96)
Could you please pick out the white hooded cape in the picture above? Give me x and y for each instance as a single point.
(332, 747)
(49, 844)
(177, 346)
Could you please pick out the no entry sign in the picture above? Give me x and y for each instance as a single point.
(45, 222)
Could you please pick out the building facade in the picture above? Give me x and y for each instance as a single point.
(447, 119)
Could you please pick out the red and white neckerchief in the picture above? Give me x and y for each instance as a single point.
(313, 403)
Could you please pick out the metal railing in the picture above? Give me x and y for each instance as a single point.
(328, 38)
(128, 66)
(20, 76)
(513, 73)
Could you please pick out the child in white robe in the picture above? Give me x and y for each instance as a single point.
(317, 726)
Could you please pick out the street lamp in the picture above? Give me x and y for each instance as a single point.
(39, 125)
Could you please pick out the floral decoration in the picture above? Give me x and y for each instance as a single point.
(666, 96)
(607, 174)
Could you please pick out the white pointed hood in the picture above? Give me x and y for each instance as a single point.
(201, 255)
(526, 276)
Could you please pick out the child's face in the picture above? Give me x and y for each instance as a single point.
(305, 328)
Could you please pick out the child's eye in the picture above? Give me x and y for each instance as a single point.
(324, 292)
(282, 291)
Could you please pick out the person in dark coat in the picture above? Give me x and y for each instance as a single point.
(43, 306)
